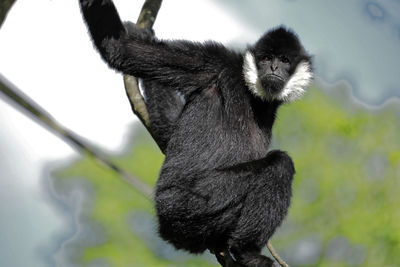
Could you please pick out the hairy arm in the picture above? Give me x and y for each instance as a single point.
(138, 53)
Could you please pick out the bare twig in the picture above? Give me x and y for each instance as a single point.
(276, 255)
(5, 6)
(27, 104)
(146, 20)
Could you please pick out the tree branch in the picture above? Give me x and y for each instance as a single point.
(27, 104)
(276, 255)
(5, 6)
(146, 19)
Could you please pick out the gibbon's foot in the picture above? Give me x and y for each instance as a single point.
(225, 259)
(260, 261)
(252, 258)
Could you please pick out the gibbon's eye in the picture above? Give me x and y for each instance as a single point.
(285, 59)
(268, 58)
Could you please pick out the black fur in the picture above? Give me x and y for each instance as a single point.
(219, 187)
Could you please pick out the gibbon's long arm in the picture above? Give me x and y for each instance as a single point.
(137, 52)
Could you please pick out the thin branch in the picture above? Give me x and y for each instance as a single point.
(276, 255)
(146, 20)
(5, 6)
(27, 104)
(148, 14)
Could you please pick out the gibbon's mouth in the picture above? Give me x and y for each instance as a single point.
(274, 76)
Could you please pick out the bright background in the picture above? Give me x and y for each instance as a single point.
(59, 209)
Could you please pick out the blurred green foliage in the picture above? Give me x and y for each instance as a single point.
(348, 175)
(346, 189)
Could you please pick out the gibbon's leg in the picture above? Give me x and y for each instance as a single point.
(264, 209)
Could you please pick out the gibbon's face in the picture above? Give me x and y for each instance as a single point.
(273, 72)
(277, 67)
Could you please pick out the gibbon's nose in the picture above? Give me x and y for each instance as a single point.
(274, 65)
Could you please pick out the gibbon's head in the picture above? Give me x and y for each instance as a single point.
(277, 67)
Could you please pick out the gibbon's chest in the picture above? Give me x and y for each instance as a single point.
(216, 121)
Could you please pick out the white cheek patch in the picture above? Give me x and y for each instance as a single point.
(297, 84)
(250, 74)
(294, 88)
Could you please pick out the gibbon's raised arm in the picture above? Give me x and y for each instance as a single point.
(137, 52)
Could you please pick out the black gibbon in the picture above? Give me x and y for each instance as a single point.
(212, 110)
